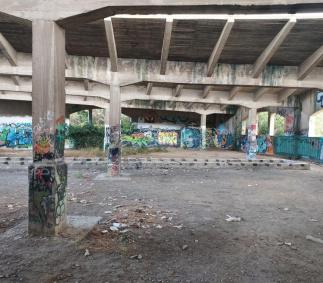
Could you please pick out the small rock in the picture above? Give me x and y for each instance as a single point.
(87, 252)
(139, 256)
(104, 231)
(286, 209)
(233, 219)
(184, 247)
(10, 206)
(313, 220)
(108, 212)
(114, 229)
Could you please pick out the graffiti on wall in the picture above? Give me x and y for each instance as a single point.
(191, 138)
(151, 138)
(168, 138)
(319, 98)
(265, 145)
(16, 135)
(47, 194)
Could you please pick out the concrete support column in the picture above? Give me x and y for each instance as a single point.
(203, 130)
(48, 173)
(252, 135)
(90, 117)
(271, 123)
(106, 129)
(114, 154)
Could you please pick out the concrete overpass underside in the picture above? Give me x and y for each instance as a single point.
(203, 57)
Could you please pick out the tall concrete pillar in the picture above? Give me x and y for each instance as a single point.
(271, 123)
(106, 129)
(203, 130)
(252, 135)
(48, 173)
(90, 117)
(114, 154)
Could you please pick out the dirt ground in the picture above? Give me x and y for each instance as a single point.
(176, 228)
(170, 153)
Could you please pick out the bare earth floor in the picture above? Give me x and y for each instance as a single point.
(177, 228)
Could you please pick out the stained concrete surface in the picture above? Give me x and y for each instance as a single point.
(166, 210)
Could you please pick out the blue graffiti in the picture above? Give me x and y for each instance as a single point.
(16, 135)
(319, 98)
(191, 138)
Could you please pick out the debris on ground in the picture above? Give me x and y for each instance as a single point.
(314, 239)
(184, 247)
(233, 219)
(286, 209)
(139, 256)
(87, 252)
(313, 220)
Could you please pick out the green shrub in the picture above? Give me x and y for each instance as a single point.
(86, 136)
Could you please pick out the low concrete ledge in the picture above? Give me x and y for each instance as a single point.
(165, 163)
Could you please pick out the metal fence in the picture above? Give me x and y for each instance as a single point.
(299, 147)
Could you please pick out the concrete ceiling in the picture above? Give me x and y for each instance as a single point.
(192, 40)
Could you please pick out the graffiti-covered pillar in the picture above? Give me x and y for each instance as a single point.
(114, 132)
(203, 130)
(90, 117)
(271, 123)
(48, 173)
(106, 129)
(252, 135)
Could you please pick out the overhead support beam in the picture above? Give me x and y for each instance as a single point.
(260, 93)
(206, 91)
(269, 52)
(8, 51)
(310, 63)
(223, 107)
(87, 85)
(206, 106)
(149, 88)
(286, 93)
(189, 105)
(177, 91)
(216, 53)
(234, 91)
(111, 44)
(166, 45)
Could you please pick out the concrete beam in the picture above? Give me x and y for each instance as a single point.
(260, 93)
(87, 85)
(269, 52)
(8, 51)
(166, 44)
(218, 48)
(178, 90)
(206, 91)
(149, 88)
(132, 71)
(223, 107)
(234, 91)
(310, 63)
(111, 44)
(284, 94)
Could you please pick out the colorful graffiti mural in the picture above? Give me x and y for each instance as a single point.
(191, 138)
(169, 138)
(289, 115)
(16, 135)
(151, 138)
(265, 145)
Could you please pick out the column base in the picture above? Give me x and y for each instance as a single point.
(114, 161)
(47, 194)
